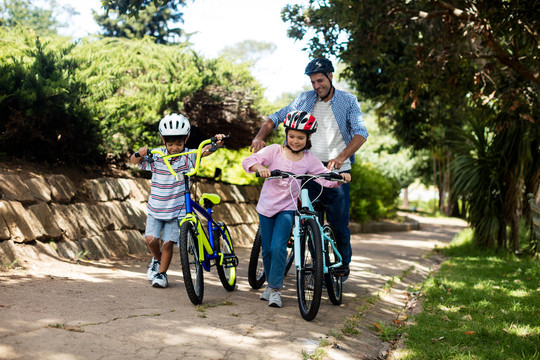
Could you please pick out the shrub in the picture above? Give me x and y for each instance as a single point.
(373, 196)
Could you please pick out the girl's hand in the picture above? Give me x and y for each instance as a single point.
(262, 170)
(346, 177)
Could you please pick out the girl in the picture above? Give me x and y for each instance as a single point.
(276, 205)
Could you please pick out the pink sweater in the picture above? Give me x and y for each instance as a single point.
(276, 193)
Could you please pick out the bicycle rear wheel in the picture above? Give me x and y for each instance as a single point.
(334, 284)
(256, 276)
(227, 269)
(310, 275)
(191, 264)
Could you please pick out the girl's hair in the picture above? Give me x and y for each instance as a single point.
(308, 140)
(171, 138)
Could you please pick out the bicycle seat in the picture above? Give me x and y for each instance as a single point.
(214, 199)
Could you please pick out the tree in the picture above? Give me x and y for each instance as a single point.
(134, 6)
(150, 21)
(436, 68)
(248, 51)
(23, 13)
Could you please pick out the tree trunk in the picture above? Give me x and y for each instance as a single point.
(406, 197)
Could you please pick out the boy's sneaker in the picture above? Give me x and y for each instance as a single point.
(160, 280)
(275, 299)
(153, 269)
(266, 294)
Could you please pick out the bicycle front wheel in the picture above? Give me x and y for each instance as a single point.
(227, 263)
(334, 284)
(256, 276)
(310, 275)
(191, 263)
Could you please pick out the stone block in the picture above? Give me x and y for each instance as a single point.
(136, 243)
(4, 230)
(67, 221)
(69, 249)
(119, 212)
(39, 188)
(117, 243)
(237, 195)
(62, 188)
(88, 224)
(238, 217)
(136, 191)
(96, 246)
(137, 212)
(7, 253)
(143, 186)
(106, 189)
(18, 221)
(94, 190)
(103, 217)
(44, 215)
(251, 193)
(248, 212)
(14, 189)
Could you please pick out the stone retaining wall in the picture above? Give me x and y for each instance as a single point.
(100, 218)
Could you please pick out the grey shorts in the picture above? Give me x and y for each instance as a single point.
(166, 230)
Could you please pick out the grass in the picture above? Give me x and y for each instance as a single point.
(477, 306)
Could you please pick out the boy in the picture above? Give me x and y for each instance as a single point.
(166, 201)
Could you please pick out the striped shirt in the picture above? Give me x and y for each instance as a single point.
(344, 106)
(327, 142)
(166, 199)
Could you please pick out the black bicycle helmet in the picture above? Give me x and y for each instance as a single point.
(319, 65)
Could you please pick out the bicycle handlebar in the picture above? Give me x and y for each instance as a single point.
(213, 140)
(279, 174)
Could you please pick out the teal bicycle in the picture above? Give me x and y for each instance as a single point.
(202, 244)
(314, 250)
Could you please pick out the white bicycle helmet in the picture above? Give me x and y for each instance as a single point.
(174, 125)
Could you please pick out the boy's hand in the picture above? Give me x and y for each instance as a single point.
(220, 139)
(346, 177)
(143, 151)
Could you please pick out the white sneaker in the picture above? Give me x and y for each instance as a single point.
(160, 280)
(153, 269)
(275, 299)
(266, 294)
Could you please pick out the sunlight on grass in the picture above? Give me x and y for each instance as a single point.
(477, 306)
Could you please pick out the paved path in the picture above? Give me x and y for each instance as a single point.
(64, 310)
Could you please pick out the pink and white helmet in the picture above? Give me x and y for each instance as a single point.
(301, 121)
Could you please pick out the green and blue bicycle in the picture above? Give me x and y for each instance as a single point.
(203, 240)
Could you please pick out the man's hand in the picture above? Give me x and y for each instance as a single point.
(256, 145)
(334, 164)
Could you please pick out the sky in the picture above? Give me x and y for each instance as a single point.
(217, 24)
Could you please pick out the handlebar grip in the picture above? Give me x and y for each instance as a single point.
(214, 139)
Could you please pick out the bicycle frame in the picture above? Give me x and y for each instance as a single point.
(307, 211)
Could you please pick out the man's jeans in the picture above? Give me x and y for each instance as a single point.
(338, 202)
(275, 232)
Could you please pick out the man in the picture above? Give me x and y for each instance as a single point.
(340, 134)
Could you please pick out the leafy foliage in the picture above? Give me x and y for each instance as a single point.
(42, 114)
(151, 21)
(436, 67)
(374, 195)
(23, 13)
(133, 7)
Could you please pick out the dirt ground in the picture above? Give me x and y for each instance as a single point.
(59, 309)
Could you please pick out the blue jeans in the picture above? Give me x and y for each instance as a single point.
(275, 233)
(338, 202)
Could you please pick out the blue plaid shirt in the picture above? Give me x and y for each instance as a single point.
(344, 106)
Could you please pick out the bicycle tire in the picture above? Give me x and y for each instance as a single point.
(256, 276)
(227, 275)
(334, 284)
(309, 277)
(191, 264)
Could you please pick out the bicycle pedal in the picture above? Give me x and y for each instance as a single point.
(230, 261)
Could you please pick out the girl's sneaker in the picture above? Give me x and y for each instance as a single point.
(275, 299)
(153, 269)
(266, 294)
(160, 280)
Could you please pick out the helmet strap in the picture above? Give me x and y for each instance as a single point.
(293, 151)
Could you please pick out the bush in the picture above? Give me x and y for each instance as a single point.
(373, 196)
(42, 115)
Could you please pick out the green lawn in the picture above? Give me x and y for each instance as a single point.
(477, 306)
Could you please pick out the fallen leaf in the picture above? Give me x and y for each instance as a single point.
(437, 339)
(469, 332)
